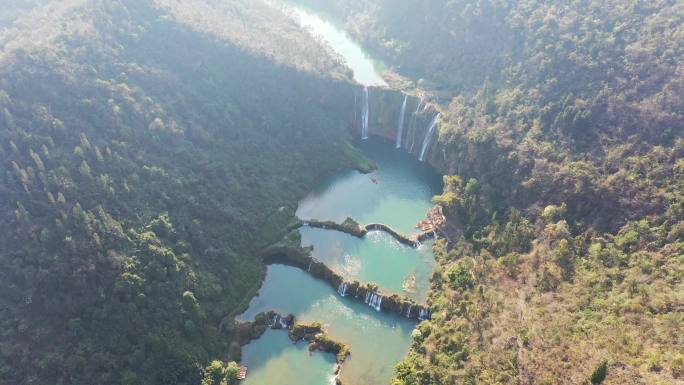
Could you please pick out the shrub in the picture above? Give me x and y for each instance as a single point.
(599, 373)
(459, 278)
(677, 366)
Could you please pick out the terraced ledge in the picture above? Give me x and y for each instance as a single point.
(288, 251)
(353, 228)
(246, 332)
(288, 254)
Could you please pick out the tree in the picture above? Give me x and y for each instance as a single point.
(599, 374)
(190, 303)
(84, 169)
(21, 213)
(460, 278)
(405, 375)
(216, 373)
(231, 372)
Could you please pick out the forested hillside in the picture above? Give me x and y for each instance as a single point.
(564, 148)
(146, 158)
(149, 149)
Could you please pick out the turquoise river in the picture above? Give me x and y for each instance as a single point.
(377, 340)
(398, 194)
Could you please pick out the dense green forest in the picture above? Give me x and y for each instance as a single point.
(564, 147)
(145, 162)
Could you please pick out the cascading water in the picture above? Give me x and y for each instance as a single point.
(428, 137)
(342, 289)
(423, 314)
(411, 138)
(309, 268)
(408, 312)
(425, 109)
(400, 130)
(373, 300)
(364, 114)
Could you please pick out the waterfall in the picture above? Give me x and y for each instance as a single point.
(342, 289)
(400, 130)
(309, 268)
(428, 137)
(357, 292)
(373, 300)
(364, 114)
(408, 312)
(423, 314)
(412, 128)
(279, 321)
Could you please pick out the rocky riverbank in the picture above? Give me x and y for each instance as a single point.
(351, 227)
(313, 333)
(290, 253)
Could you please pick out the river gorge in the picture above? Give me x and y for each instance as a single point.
(377, 340)
(396, 194)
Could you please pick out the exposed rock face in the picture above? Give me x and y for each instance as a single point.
(301, 258)
(445, 228)
(385, 107)
(313, 333)
(319, 341)
(245, 332)
(353, 228)
(349, 226)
